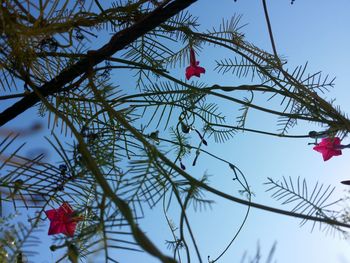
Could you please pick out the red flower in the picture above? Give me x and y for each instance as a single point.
(329, 147)
(193, 69)
(62, 220)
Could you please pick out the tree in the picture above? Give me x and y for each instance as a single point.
(118, 163)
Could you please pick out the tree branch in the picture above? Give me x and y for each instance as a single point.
(119, 41)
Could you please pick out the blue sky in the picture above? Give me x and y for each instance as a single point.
(313, 31)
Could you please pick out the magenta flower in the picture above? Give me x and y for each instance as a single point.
(193, 69)
(62, 220)
(329, 147)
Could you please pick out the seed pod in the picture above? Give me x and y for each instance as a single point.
(79, 35)
(18, 183)
(313, 134)
(154, 136)
(183, 167)
(62, 167)
(185, 128)
(53, 248)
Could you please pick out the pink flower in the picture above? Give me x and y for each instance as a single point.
(329, 147)
(193, 69)
(62, 220)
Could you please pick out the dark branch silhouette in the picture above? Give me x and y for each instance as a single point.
(119, 41)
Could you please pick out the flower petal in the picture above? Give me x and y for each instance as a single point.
(62, 220)
(51, 214)
(336, 141)
(192, 57)
(55, 227)
(70, 229)
(65, 209)
(328, 147)
(194, 71)
(189, 72)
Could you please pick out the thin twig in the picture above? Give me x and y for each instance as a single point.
(270, 33)
(119, 41)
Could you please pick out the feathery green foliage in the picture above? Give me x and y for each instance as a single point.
(127, 128)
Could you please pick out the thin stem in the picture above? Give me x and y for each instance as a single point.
(123, 207)
(119, 41)
(12, 96)
(172, 231)
(183, 213)
(270, 32)
(194, 181)
(297, 116)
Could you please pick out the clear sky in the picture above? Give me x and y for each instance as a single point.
(314, 31)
